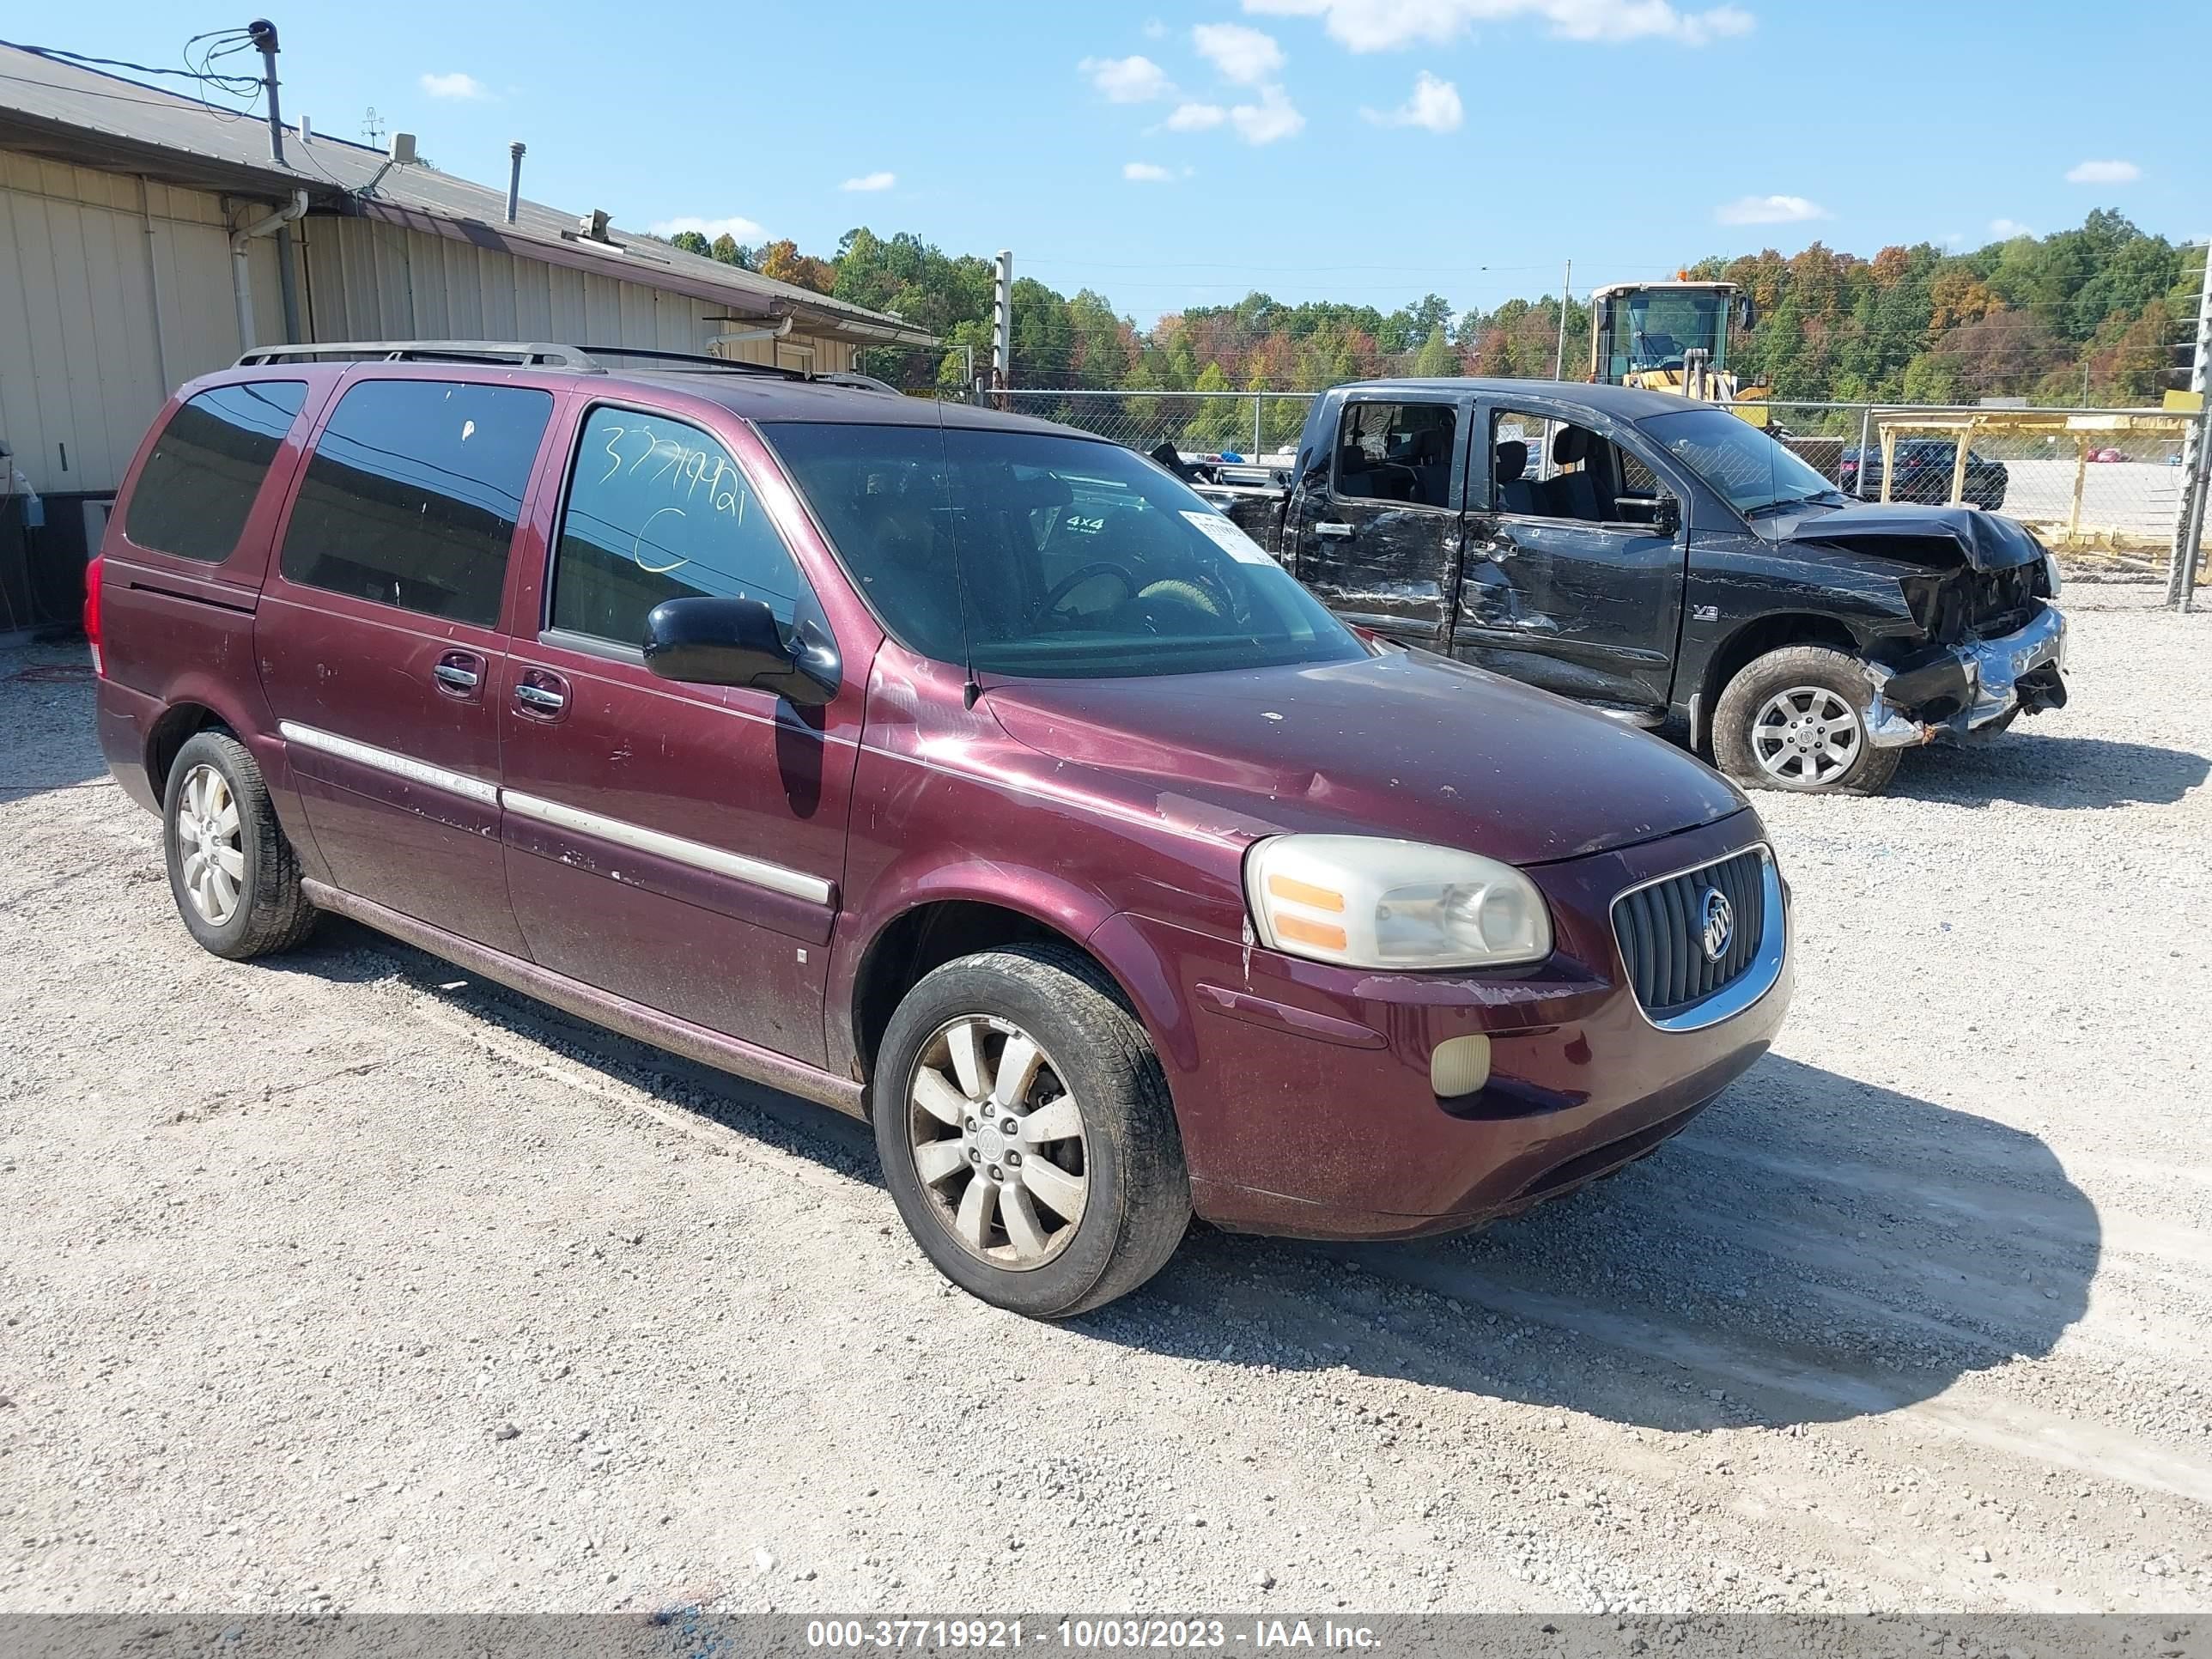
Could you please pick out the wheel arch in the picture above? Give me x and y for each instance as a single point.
(175, 726)
(933, 927)
(1753, 639)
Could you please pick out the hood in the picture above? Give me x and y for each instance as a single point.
(1404, 743)
(1943, 537)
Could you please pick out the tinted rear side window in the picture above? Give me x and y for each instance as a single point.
(196, 488)
(412, 495)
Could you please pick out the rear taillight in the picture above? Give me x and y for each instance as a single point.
(92, 612)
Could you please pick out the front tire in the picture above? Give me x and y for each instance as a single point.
(1795, 720)
(1026, 1132)
(233, 875)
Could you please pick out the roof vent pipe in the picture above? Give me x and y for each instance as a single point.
(513, 179)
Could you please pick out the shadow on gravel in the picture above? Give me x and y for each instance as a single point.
(2034, 770)
(349, 953)
(1813, 1249)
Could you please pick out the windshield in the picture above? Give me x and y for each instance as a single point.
(1078, 559)
(1737, 460)
(1662, 324)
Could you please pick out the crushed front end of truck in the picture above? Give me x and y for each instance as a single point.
(1992, 640)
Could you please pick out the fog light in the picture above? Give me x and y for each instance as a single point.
(1460, 1065)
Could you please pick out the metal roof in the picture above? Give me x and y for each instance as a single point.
(66, 112)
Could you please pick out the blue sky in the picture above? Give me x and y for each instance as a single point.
(1171, 153)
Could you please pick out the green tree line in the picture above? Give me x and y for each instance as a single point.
(2088, 314)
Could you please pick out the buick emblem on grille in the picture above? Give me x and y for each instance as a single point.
(1719, 919)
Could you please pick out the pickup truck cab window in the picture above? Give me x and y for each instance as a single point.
(657, 509)
(1077, 559)
(1397, 453)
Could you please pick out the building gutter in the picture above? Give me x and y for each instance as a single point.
(241, 281)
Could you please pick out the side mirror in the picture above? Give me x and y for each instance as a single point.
(1663, 513)
(737, 641)
(1746, 314)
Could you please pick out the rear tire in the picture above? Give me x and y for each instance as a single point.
(233, 875)
(1795, 720)
(1013, 1086)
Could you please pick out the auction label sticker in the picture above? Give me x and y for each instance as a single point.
(1229, 537)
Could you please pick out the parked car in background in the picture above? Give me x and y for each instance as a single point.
(961, 772)
(1668, 562)
(2106, 455)
(1925, 468)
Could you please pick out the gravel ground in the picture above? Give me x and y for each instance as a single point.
(342, 1281)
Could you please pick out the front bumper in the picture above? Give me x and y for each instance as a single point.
(1966, 687)
(1304, 1091)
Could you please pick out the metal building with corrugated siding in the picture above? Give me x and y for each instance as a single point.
(140, 234)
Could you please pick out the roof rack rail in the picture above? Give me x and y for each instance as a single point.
(699, 360)
(522, 354)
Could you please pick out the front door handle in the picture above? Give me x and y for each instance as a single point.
(458, 673)
(1335, 532)
(541, 694)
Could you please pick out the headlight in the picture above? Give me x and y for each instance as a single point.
(2051, 572)
(1369, 903)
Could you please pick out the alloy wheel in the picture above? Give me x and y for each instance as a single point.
(998, 1142)
(212, 861)
(1807, 736)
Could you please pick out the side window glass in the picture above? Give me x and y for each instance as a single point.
(658, 510)
(412, 496)
(1548, 468)
(196, 488)
(1397, 453)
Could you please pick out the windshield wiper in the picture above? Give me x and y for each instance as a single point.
(1819, 498)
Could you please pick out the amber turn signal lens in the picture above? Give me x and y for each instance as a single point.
(1310, 933)
(1305, 893)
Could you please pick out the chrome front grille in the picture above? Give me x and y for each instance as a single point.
(1664, 927)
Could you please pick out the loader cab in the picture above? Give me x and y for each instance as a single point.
(1645, 333)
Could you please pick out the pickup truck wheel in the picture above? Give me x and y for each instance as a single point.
(234, 876)
(1026, 1132)
(1796, 718)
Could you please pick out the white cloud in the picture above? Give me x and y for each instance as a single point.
(1387, 25)
(1197, 118)
(1435, 104)
(2006, 229)
(1272, 117)
(742, 230)
(1134, 80)
(1145, 173)
(1769, 210)
(2104, 173)
(456, 85)
(871, 181)
(1244, 56)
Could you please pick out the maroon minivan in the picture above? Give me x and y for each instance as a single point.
(962, 772)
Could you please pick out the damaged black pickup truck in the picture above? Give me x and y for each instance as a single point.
(1665, 563)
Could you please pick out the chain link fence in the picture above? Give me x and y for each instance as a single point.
(1245, 424)
(2097, 484)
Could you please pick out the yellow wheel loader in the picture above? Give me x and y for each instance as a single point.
(1673, 336)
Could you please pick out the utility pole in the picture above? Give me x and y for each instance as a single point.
(263, 33)
(1002, 322)
(2196, 458)
(1566, 293)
